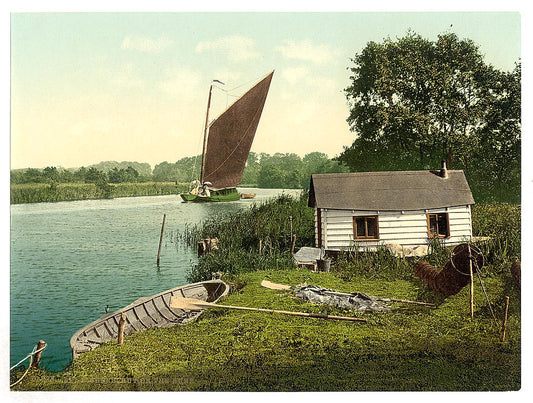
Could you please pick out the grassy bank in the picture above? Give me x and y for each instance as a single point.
(40, 192)
(411, 348)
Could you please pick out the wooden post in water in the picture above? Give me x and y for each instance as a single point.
(121, 324)
(505, 319)
(161, 240)
(37, 357)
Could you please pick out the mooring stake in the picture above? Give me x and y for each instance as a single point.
(161, 240)
(121, 324)
(37, 357)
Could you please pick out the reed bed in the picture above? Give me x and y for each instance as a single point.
(501, 223)
(54, 192)
(258, 238)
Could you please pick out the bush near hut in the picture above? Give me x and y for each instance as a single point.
(502, 224)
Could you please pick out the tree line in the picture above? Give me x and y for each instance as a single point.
(280, 170)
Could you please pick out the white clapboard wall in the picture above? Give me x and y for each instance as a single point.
(407, 228)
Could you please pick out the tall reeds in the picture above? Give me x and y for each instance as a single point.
(501, 223)
(254, 239)
(53, 192)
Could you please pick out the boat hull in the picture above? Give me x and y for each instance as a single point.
(146, 313)
(223, 195)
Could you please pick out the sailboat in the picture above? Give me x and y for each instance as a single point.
(226, 145)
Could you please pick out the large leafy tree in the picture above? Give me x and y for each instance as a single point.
(496, 157)
(418, 100)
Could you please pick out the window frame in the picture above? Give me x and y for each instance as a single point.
(366, 237)
(438, 235)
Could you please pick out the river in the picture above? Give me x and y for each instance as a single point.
(71, 260)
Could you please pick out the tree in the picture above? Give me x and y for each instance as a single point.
(51, 174)
(497, 151)
(250, 175)
(116, 175)
(272, 177)
(318, 163)
(94, 175)
(419, 99)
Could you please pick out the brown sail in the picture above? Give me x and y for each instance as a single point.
(231, 136)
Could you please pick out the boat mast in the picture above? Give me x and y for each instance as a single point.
(205, 134)
(206, 127)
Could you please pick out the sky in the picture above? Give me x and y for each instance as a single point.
(91, 87)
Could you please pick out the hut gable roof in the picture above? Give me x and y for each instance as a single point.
(389, 191)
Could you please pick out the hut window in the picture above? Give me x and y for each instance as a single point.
(365, 227)
(438, 225)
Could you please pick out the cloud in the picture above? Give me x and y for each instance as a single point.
(237, 48)
(182, 83)
(307, 51)
(303, 76)
(146, 45)
(294, 75)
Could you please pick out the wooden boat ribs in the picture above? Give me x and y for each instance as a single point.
(146, 313)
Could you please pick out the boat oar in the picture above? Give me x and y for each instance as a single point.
(191, 303)
(274, 286)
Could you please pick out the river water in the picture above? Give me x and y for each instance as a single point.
(71, 260)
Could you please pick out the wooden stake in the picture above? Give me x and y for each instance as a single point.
(161, 240)
(121, 324)
(505, 319)
(471, 284)
(37, 357)
(293, 243)
(290, 219)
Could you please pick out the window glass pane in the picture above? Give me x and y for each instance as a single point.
(442, 222)
(360, 226)
(433, 224)
(371, 227)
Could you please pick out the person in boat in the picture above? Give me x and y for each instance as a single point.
(195, 187)
(205, 189)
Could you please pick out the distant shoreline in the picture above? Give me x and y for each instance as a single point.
(46, 193)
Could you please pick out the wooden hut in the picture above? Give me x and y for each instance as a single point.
(402, 210)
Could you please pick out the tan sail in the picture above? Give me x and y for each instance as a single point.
(231, 135)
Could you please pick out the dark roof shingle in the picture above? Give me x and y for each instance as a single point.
(387, 191)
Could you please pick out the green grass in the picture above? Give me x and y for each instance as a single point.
(411, 348)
